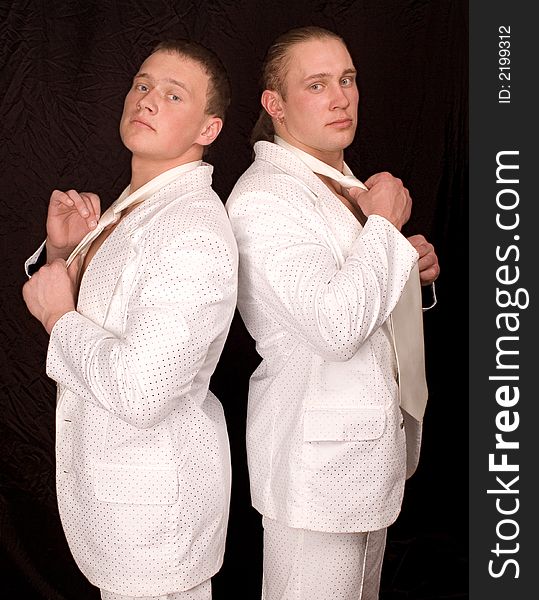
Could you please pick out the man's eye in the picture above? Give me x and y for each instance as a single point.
(316, 87)
(175, 98)
(141, 87)
(346, 81)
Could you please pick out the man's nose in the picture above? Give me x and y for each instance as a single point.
(149, 102)
(339, 98)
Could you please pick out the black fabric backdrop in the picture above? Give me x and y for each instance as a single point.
(66, 66)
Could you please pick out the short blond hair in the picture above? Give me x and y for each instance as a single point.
(218, 95)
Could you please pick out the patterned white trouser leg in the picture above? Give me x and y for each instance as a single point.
(200, 592)
(313, 565)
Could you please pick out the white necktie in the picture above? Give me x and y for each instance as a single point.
(113, 213)
(407, 317)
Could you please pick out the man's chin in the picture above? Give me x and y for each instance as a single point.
(337, 140)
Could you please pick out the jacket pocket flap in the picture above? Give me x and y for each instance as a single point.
(345, 425)
(130, 484)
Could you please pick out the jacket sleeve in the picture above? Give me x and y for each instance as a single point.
(181, 300)
(289, 270)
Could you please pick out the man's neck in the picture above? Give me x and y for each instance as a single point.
(334, 158)
(144, 169)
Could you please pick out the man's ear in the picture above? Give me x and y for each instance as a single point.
(273, 105)
(211, 130)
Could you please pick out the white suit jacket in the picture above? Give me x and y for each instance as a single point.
(325, 435)
(143, 467)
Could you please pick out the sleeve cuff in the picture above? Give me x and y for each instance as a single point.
(36, 261)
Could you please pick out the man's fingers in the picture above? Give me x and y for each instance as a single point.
(426, 261)
(79, 203)
(355, 192)
(429, 269)
(94, 201)
(377, 177)
(84, 207)
(421, 245)
(429, 275)
(416, 240)
(61, 198)
(86, 204)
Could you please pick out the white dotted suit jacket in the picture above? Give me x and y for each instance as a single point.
(325, 438)
(143, 467)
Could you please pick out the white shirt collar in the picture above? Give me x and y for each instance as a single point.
(317, 165)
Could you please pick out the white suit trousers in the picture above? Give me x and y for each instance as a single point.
(312, 565)
(200, 592)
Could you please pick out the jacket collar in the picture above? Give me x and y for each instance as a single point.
(286, 161)
(186, 183)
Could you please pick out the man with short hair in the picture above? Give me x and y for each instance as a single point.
(138, 317)
(322, 267)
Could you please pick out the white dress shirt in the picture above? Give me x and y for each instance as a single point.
(325, 438)
(143, 466)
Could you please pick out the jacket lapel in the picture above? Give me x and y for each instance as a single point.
(103, 294)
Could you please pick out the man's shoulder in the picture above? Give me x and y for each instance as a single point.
(196, 182)
(191, 223)
(200, 207)
(193, 188)
(185, 205)
(266, 177)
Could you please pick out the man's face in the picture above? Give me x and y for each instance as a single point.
(163, 120)
(320, 109)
